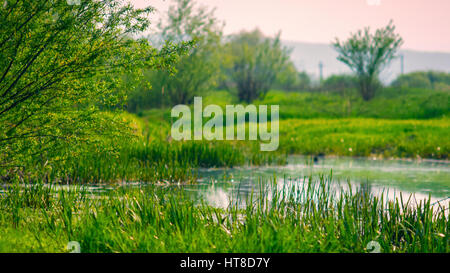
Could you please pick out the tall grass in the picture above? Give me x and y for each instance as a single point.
(314, 218)
(147, 161)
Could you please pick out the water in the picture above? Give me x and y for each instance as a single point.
(421, 179)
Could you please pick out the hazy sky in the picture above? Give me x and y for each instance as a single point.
(423, 24)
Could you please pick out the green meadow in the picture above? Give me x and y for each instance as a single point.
(315, 123)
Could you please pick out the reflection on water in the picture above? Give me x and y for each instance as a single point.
(219, 187)
(388, 177)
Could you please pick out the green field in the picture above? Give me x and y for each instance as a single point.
(314, 123)
(389, 103)
(367, 137)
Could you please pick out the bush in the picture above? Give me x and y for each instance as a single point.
(339, 83)
(423, 79)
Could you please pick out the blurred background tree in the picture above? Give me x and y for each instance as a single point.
(256, 61)
(366, 54)
(196, 72)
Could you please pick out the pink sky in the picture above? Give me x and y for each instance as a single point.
(423, 24)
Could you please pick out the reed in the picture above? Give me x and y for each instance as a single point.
(316, 217)
(146, 161)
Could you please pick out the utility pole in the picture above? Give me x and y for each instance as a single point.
(320, 71)
(402, 64)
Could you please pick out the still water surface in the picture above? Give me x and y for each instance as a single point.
(391, 177)
(421, 179)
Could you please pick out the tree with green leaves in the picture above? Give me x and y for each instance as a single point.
(255, 63)
(366, 54)
(59, 63)
(196, 71)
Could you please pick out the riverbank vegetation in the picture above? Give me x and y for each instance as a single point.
(315, 218)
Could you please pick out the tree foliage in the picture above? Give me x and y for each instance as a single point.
(255, 63)
(196, 71)
(366, 54)
(58, 62)
(290, 79)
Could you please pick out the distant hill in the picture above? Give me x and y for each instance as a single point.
(306, 57)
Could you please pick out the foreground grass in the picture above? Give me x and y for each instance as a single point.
(153, 219)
